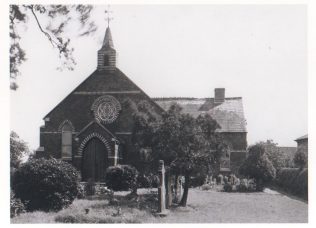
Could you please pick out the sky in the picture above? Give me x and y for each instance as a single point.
(257, 52)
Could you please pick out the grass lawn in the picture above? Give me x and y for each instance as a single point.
(203, 207)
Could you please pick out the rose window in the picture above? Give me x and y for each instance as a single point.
(106, 109)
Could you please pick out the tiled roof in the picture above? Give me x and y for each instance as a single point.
(302, 138)
(229, 114)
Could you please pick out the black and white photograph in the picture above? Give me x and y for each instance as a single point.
(157, 113)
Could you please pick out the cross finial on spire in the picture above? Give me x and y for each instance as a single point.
(108, 16)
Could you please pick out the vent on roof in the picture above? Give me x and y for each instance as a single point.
(219, 95)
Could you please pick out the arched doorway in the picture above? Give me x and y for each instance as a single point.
(94, 161)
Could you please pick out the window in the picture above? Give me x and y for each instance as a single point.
(66, 141)
(106, 60)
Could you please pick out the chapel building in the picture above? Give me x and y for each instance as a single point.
(91, 127)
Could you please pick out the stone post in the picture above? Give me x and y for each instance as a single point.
(168, 190)
(115, 153)
(161, 190)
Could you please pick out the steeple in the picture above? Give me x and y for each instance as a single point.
(107, 53)
(108, 38)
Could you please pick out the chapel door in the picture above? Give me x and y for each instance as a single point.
(94, 161)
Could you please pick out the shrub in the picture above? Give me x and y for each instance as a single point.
(46, 184)
(294, 180)
(121, 178)
(258, 166)
(300, 159)
(147, 181)
(228, 187)
(16, 205)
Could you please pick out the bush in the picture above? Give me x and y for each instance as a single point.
(300, 159)
(16, 205)
(294, 180)
(121, 178)
(258, 166)
(147, 181)
(46, 184)
(228, 187)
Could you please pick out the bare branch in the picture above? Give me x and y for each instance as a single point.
(31, 7)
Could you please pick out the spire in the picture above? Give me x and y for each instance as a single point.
(107, 53)
(108, 42)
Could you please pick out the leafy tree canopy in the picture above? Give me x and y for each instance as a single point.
(52, 21)
(18, 149)
(300, 159)
(183, 142)
(278, 158)
(258, 166)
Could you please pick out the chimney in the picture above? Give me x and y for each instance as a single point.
(219, 95)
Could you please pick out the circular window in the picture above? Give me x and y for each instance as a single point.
(106, 109)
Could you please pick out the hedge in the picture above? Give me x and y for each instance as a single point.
(294, 180)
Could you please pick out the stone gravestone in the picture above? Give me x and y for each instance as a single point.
(161, 190)
(178, 189)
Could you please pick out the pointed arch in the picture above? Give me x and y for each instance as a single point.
(93, 135)
(67, 123)
(66, 129)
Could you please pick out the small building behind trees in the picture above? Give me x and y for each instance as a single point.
(302, 144)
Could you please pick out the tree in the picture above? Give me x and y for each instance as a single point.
(258, 166)
(186, 144)
(278, 158)
(52, 21)
(300, 159)
(18, 149)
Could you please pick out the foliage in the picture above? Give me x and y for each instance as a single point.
(278, 158)
(186, 144)
(258, 166)
(18, 149)
(147, 180)
(294, 180)
(46, 184)
(300, 159)
(53, 21)
(228, 187)
(197, 179)
(81, 191)
(16, 205)
(121, 178)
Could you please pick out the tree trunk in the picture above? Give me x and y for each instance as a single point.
(176, 189)
(184, 199)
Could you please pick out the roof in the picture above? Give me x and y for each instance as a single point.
(108, 42)
(106, 81)
(302, 138)
(229, 114)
